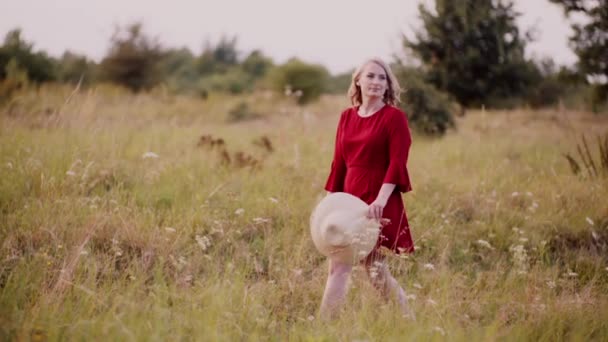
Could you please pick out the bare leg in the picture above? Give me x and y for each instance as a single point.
(335, 289)
(381, 278)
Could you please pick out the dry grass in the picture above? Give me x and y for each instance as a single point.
(100, 237)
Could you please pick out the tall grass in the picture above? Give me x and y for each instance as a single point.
(102, 239)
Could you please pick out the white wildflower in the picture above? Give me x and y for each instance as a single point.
(589, 220)
(429, 267)
(311, 318)
(170, 229)
(259, 220)
(203, 241)
(439, 330)
(239, 211)
(70, 173)
(149, 155)
(571, 274)
(484, 243)
(520, 258)
(83, 252)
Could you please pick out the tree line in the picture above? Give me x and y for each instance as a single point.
(468, 53)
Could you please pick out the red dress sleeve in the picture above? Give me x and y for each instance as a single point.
(335, 181)
(399, 142)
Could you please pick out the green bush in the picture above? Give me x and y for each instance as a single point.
(234, 81)
(429, 110)
(308, 81)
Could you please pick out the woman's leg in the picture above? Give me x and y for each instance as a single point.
(381, 278)
(335, 289)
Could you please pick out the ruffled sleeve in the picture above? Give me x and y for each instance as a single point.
(335, 181)
(399, 142)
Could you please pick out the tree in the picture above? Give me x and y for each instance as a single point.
(473, 50)
(75, 68)
(590, 41)
(256, 64)
(218, 58)
(37, 65)
(133, 60)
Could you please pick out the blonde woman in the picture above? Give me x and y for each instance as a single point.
(370, 161)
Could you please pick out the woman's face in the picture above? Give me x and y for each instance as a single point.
(373, 81)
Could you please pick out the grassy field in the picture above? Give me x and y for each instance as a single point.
(127, 218)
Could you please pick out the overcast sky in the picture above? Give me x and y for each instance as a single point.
(336, 33)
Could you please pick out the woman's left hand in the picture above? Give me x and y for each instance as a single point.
(376, 208)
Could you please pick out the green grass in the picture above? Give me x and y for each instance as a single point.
(98, 242)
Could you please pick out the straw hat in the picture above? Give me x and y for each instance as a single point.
(340, 228)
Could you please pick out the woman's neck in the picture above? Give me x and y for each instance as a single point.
(370, 106)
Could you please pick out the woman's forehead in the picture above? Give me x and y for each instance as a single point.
(373, 67)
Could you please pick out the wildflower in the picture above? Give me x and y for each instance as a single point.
(170, 230)
(571, 274)
(590, 221)
(259, 220)
(484, 243)
(239, 211)
(520, 258)
(83, 252)
(311, 318)
(429, 267)
(149, 155)
(439, 330)
(70, 173)
(203, 241)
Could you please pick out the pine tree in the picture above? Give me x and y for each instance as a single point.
(473, 50)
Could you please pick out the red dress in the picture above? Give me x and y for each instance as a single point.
(371, 151)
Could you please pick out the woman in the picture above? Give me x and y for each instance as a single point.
(370, 157)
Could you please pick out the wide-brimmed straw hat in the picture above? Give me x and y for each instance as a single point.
(340, 228)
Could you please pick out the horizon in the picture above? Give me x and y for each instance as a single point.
(349, 35)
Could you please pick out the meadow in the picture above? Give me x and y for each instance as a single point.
(157, 217)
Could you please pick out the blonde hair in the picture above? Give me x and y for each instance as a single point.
(391, 96)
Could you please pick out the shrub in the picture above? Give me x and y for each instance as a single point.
(308, 80)
(134, 60)
(429, 110)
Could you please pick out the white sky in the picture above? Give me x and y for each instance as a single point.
(336, 33)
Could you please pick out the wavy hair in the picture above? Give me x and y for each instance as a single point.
(393, 91)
